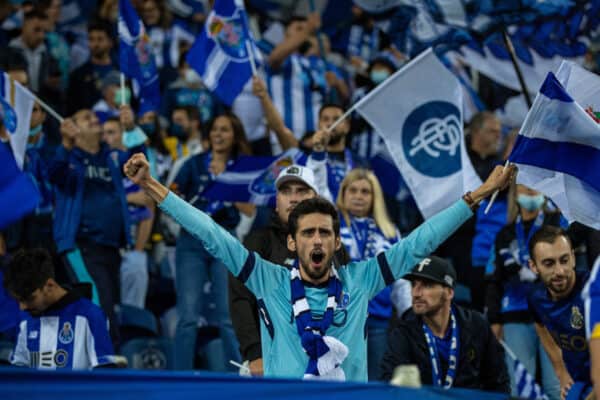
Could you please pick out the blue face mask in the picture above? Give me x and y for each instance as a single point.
(133, 138)
(148, 128)
(119, 94)
(35, 131)
(531, 203)
(379, 75)
(178, 131)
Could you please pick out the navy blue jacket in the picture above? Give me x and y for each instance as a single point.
(67, 173)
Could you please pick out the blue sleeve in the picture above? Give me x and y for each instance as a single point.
(394, 263)
(259, 275)
(60, 173)
(99, 344)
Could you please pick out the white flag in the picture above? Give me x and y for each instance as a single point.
(16, 104)
(418, 113)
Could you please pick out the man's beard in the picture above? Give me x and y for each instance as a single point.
(336, 138)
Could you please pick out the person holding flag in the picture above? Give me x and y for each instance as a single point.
(328, 346)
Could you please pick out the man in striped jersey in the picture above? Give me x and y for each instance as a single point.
(62, 329)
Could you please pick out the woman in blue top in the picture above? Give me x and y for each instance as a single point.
(366, 230)
(194, 266)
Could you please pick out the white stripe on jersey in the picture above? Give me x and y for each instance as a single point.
(48, 338)
(297, 97)
(90, 343)
(21, 356)
(84, 359)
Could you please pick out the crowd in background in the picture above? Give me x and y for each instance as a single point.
(98, 226)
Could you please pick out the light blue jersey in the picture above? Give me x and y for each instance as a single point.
(283, 355)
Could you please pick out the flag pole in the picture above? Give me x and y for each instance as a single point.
(122, 78)
(496, 192)
(45, 106)
(251, 57)
(513, 58)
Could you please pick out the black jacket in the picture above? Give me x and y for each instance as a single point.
(271, 244)
(480, 363)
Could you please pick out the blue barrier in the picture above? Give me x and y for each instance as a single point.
(20, 383)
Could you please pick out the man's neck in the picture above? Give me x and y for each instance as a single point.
(438, 323)
(101, 60)
(529, 215)
(89, 146)
(58, 294)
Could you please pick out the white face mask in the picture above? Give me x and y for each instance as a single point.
(191, 76)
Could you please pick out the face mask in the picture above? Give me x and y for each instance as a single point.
(36, 130)
(133, 138)
(178, 131)
(148, 128)
(379, 75)
(118, 95)
(191, 76)
(531, 203)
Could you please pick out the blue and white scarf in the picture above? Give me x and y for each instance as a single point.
(436, 370)
(325, 353)
(363, 239)
(523, 242)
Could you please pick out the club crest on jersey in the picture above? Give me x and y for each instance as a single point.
(576, 318)
(65, 336)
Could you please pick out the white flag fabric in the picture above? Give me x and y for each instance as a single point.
(558, 150)
(16, 104)
(582, 85)
(418, 113)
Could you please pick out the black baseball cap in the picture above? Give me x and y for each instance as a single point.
(434, 269)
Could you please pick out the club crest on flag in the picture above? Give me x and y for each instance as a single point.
(264, 184)
(431, 138)
(228, 33)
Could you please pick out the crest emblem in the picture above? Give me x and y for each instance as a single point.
(576, 318)
(229, 34)
(65, 336)
(264, 184)
(431, 138)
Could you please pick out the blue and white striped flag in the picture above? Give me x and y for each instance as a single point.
(558, 152)
(527, 388)
(252, 179)
(220, 54)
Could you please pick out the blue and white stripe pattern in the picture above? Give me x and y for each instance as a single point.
(325, 353)
(220, 55)
(558, 153)
(74, 337)
(527, 388)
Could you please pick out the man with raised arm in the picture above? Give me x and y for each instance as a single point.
(318, 312)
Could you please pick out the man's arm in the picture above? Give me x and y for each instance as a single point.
(398, 352)
(494, 374)
(59, 172)
(555, 355)
(284, 135)
(98, 343)
(394, 263)
(291, 43)
(216, 240)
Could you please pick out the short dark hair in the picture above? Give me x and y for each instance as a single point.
(35, 14)
(192, 112)
(547, 234)
(478, 120)
(295, 18)
(330, 105)
(310, 206)
(27, 271)
(101, 25)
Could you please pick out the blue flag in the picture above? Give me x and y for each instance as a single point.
(220, 55)
(18, 194)
(136, 58)
(527, 388)
(558, 153)
(252, 179)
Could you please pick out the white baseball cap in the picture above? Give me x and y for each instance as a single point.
(297, 173)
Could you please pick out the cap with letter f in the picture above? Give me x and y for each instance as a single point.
(434, 269)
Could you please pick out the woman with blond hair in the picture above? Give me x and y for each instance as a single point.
(366, 230)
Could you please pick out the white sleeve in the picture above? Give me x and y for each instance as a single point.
(20, 356)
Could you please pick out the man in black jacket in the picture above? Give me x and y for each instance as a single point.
(452, 346)
(294, 184)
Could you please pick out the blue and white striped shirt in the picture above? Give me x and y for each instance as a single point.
(71, 334)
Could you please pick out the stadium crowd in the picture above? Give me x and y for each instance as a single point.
(126, 232)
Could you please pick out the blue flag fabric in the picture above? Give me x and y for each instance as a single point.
(558, 153)
(18, 194)
(527, 388)
(136, 58)
(252, 179)
(220, 55)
